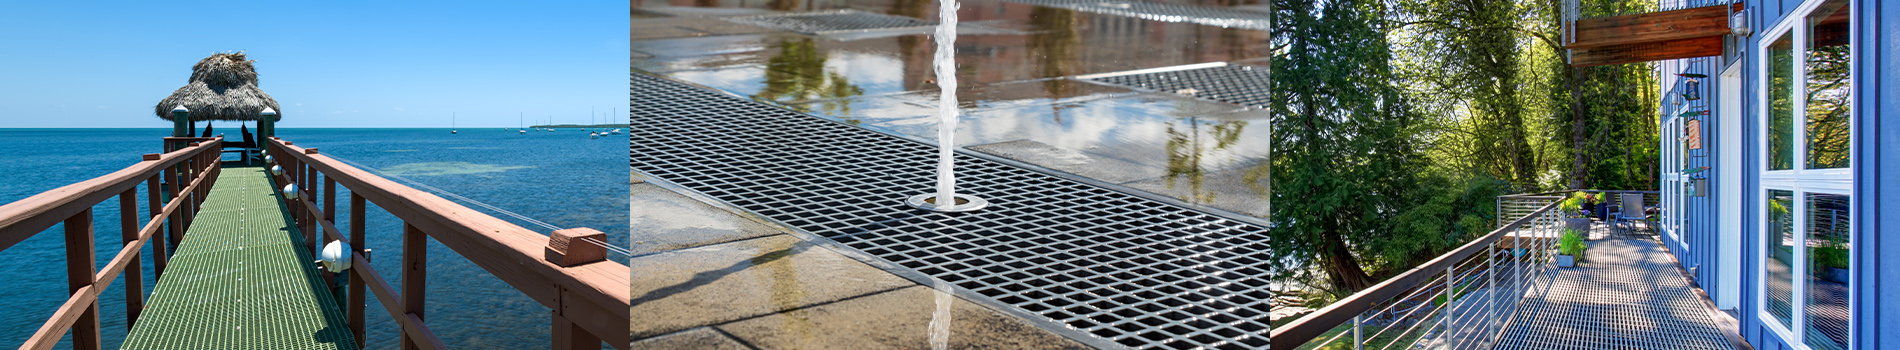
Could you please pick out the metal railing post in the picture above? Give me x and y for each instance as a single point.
(1358, 336)
(1451, 283)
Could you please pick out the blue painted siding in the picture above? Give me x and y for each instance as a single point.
(1877, 313)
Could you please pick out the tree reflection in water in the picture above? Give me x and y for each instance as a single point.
(798, 73)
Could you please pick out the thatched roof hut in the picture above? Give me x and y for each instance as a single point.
(222, 87)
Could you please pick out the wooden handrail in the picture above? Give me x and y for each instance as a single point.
(72, 204)
(1304, 329)
(593, 296)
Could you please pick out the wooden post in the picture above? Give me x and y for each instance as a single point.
(177, 218)
(568, 336)
(329, 216)
(267, 125)
(357, 299)
(79, 261)
(129, 230)
(153, 208)
(415, 252)
(181, 122)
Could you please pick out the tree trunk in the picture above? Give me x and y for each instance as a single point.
(1342, 267)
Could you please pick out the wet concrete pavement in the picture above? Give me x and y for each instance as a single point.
(707, 277)
(728, 281)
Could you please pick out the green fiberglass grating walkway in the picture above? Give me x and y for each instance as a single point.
(240, 280)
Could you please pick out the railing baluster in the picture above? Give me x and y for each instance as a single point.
(357, 299)
(153, 208)
(129, 230)
(79, 265)
(415, 250)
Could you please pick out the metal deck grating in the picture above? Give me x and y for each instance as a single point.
(1132, 270)
(1205, 15)
(1625, 304)
(1237, 84)
(241, 280)
(820, 22)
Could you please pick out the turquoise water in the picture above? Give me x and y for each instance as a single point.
(562, 178)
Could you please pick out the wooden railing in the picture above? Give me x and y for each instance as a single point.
(588, 297)
(195, 165)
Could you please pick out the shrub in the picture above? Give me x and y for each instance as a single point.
(1571, 243)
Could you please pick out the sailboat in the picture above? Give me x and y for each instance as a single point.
(451, 123)
(518, 129)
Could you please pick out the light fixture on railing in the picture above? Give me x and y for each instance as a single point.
(336, 257)
(290, 191)
(276, 170)
(270, 159)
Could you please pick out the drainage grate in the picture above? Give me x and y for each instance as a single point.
(821, 22)
(1204, 15)
(1126, 268)
(1237, 84)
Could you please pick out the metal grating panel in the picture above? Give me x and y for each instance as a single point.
(1237, 84)
(1616, 304)
(241, 279)
(1154, 11)
(1133, 270)
(831, 21)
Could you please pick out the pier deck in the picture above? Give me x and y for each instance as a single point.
(241, 280)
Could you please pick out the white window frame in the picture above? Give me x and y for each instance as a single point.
(1802, 181)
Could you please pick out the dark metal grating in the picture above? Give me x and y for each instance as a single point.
(820, 22)
(1125, 268)
(1643, 303)
(1237, 84)
(1225, 17)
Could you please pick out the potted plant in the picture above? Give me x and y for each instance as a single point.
(1570, 248)
(1573, 212)
(1830, 260)
(1599, 205)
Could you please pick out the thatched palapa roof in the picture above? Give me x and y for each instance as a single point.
(222, 87)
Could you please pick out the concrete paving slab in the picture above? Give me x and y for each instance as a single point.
(899, 319)
(682, 289)
(703, 338)
(663, 220)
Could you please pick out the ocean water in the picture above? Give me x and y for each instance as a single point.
(561, 178)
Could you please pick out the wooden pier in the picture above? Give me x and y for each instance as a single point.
(238, 271)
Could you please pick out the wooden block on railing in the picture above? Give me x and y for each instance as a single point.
(309, 151)
(152, 156)
(568, 248)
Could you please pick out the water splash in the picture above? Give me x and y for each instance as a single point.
(940, 320)
(946, 67)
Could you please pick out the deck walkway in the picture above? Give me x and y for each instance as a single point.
(1627, 294)
(240, 279)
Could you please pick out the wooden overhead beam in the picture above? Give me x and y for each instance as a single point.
(1685, 48)
(1654, 27)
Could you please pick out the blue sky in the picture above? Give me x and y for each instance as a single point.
(328, 63)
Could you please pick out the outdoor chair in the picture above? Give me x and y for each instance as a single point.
(1630, 211)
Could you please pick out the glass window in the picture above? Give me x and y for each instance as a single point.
(1828, 238)
(1780, 259)
(1829, 65)
(1781, 103)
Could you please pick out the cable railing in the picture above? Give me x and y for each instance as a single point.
(190, 162)
(564, 271)
(1460, 300)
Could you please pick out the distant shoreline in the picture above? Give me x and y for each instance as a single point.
(629, 126)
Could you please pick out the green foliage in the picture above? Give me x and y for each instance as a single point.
(1832, 253)
(1571, 243)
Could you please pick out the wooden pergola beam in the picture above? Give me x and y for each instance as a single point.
(1654, 27)
(1685, 48)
